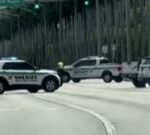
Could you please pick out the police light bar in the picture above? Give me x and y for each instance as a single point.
(9, 58)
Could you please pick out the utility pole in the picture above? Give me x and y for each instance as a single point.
(128, 32)
(86, 4)
(99, 52)
(3, 46)
(18, 23)
(75, 28)
(59, 27)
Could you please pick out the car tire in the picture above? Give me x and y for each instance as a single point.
(138, 84)
(118, 79)
(65, 77)
(107, 77)
(50, 85)
(34, 90)
(76, 80)
(2, 87)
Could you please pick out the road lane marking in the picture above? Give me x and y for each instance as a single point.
(110, 129)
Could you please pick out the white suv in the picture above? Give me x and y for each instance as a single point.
(18, 74)
(92, 67)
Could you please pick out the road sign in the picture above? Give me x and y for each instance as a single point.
(6, 3)
(104, 49)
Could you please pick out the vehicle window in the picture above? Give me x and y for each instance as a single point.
(85, 63)
(91, 62)
(18, 66)
(80, 63)
(104, 61)
(146, 61)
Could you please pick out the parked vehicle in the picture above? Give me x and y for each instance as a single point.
(18, 74)
(92, 67)
(139, 74)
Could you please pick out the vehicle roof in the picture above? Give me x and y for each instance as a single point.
(94, 57)
(11, 61)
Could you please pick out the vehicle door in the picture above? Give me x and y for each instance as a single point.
(20, 73)
(92, 67)
(83, 68)
(102, 66)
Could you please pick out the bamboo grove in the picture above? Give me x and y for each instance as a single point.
(124, 27)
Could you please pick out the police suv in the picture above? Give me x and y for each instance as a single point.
(19, 74)
(92, 67)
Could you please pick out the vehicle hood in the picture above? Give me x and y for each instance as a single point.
(47, 71)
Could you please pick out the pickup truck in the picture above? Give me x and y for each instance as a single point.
(90, 68)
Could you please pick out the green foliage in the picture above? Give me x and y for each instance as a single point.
(123, 23)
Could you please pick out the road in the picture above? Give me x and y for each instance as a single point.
(88, 108)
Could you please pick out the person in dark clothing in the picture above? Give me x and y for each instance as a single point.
(139, 63)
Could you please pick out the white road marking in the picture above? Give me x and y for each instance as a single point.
(110, 129)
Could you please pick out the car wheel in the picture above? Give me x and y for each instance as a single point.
(34, 90)
(107, 77)
(50, 85)
(65, 78)
(138, 84)
(118, 79)
(76, 80)
(2, 87)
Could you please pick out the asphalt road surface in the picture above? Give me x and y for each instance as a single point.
(87, 108)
